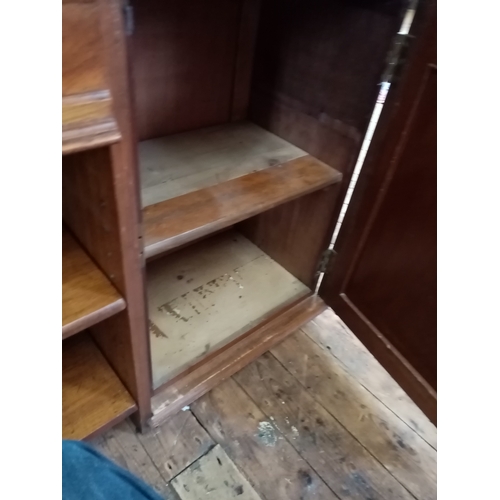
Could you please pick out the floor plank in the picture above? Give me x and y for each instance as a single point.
(349, 470)
(328, 331)
(175, 445)
(258, 449)
(122, 446)
(213, 476)
(401, 450)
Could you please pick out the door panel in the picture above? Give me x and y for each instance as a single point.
(382, 282)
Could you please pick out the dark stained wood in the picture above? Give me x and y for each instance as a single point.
(184, 56)
(101, 207)
(179, 442)
(346, 467)
(316, 71)
(122, 445)
(89, 209)
(83, 63)
(201, 378)
(177, 221)
(93, 398)
(330, 332)
(87, 119)
(87, 122)
(253, 443)
(215, 475)
(383, 283)
(249, 20)
(405, 455)
(132, 360)
(296, 233)
(87, 295)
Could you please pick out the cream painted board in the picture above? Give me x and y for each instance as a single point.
(206, 295)
(178, 164)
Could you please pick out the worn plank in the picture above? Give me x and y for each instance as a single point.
(329, 331)
(175, 445)
(402, 451)
(216, 476)
(256, 446)
(205, 296)
(345, 466)
(178, 164)
(121, 445)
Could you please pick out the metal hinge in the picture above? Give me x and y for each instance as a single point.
(324, 262)
(128, 17)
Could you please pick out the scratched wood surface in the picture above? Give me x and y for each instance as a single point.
(314, 418)
(205, 296)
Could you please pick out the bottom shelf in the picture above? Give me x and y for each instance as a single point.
(204, 297)
(93, 398)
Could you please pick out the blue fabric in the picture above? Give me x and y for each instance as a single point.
(88, 475)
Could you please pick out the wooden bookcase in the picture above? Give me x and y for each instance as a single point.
(205, 156)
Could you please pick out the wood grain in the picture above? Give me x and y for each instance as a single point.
(295, 234)
(83, 62)
(215, 475)
(204, 297)
(128, 330)
(93, 398)
(249, 21)
(345, 466)
(183, 61)
(316, 74)
(408, 457)
(255, 445)
(384, 282)
(87, 295)
(122, 445)
(193, 384)
(178, 164)
(328, 331)
(175, 222)
(174, 446)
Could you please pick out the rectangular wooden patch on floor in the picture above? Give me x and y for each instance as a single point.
(213, 476)
(179, 442)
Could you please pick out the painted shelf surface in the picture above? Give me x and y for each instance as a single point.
(209, 294)
(197, 182)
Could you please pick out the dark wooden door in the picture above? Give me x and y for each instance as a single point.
(382, 280)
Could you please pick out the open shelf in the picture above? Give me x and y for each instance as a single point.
(87, 295)
(93, 398)
(212, 292)
(195, 183)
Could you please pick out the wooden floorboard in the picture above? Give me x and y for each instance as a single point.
(329, 331)
(274, 468)
(315, 418)
(213, 476)
(344, 464)
(410, 459)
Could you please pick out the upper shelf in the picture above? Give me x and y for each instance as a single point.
(87, 295)
(198, 182)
